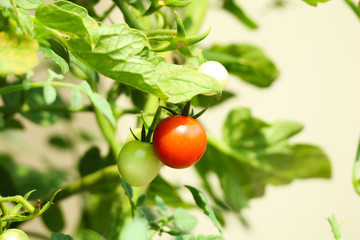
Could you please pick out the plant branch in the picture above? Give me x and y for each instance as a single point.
(106, 176)
(107, 13)
(48, 108)
(18, 199)
(20, 86)
(108, 131)
(128, 15)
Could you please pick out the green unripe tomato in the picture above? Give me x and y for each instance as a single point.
(138, 163)
(14, 234)
(217, 71)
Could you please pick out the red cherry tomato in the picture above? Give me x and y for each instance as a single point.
(179, 141)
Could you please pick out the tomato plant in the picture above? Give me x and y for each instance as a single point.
(138, 163)
(14, 234)
(179, 141)
(80, 79)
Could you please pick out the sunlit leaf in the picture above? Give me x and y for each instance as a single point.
(17, 54)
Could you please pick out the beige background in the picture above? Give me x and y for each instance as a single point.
(318, 53)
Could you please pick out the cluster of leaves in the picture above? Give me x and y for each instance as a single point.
(154, 56)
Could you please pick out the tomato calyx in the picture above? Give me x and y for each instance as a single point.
(183, 109)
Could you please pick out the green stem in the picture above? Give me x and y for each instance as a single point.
(19, 87)
(109, 132)
(18, 199)
(150, 108)
(160, 32)
(128, 15)
(106, 13)
(353, 6)
(51, 108)
(106, 176)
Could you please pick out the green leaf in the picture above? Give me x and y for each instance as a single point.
(2, 121)
(49, 93)
(202, 202)
(315, 2)
(104, 107)
(17, 54)
(8, 185)
(128, 189)
(239, 13)
(60, 236)
(246, 61)
(241, 130)
(54, 219)
(26, 21)
(76, 97)
(79, 27)
(253, 154)
(51, 54)
(135, 230)
(161, 206)
(29, 4)
(92, 161)
(24, 178)
(184, 220)
(61, 142)
(115, 56)
(186, 237)
(36, 101)
(180, 83)
(335, 226)
(87, 234)
(141, 200)
(101, 208)
(206, 101)
(168, 192)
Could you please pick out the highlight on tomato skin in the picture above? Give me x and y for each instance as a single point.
(14, 234)
(179, 141)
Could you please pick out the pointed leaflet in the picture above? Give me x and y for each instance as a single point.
(202, 202)
(254, 153)
(76, 97)
(232, 7)
(99, 102)
(49, 93)
(50, 53)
